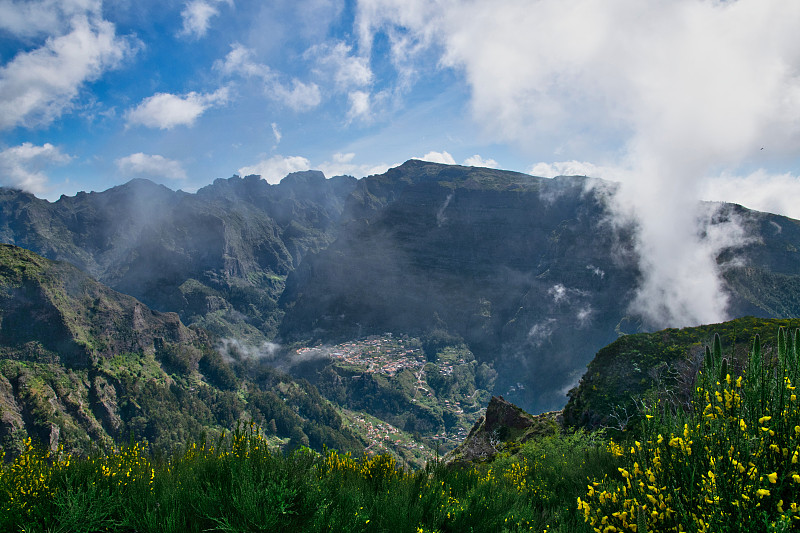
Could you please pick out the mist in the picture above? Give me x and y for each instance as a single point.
(271, 353)
(664, 97)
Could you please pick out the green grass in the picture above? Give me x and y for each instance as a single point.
(728, 462)
(240, 484)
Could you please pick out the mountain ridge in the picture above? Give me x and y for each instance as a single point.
(525, 270)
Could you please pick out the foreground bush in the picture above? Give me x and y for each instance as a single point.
(729, 464)
(239, 484)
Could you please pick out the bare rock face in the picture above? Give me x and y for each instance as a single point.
(503, 416)
(11, 420)
(106, 408)
(503, 428)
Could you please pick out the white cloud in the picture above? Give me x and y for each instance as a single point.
(294, 93)
(343, 164)
(276, 132)
(165, 110)
(478, 161)
(343, 158)
(276, 167)
(438, 157)
(37, 86)
(597, 271)
(23, 167)
(197, 15)
(574, 168)
(584, 315)
(557, 292)
(540, 332)
(411, 27)
(32, 18)
(669, 92)
(150, 166)
(760, 190)
(359, 105)
(300, 96)
(335, 61)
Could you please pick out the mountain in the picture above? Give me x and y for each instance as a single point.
(218, 258)
(82, 365)
(526, 272)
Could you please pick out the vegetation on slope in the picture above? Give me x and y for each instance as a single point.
(656, 365)
(726, 461)
(84, 366)
(238, 484)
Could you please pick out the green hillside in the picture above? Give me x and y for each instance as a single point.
(663, 364)
(84, 366)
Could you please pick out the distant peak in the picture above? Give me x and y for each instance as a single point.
(304, 177)
(143, 184)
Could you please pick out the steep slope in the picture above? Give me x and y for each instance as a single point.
(511, 263)
(663, 364)
(83, 365)
(218, 258)
(526, 270)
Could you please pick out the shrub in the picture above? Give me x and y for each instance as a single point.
(730, 461)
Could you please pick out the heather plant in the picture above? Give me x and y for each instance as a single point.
(729, 462)
(239, 483)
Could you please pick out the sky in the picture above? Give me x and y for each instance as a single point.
(679, 100)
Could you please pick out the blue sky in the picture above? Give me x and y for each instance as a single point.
(95, 93)
(677, 100)
(186, 92)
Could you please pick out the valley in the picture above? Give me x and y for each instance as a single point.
(332, 311)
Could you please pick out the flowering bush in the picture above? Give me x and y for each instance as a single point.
(731, 460)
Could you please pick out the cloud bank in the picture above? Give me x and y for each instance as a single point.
(688, 88)
(293, 93)
(38, 85)
(23, 167)
(275, 168)
(150, 166)
(165, 111)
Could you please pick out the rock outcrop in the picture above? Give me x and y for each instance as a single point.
(503, 428)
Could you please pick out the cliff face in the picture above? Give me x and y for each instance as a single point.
(522, 268)
(526, 270)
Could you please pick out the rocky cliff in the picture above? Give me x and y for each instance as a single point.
(502, 429)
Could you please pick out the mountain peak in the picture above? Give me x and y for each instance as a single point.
(304, 177)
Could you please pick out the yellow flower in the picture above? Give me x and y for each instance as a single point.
(773, 477)
(762, 492)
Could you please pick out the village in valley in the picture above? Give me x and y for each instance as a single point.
(445, 386)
